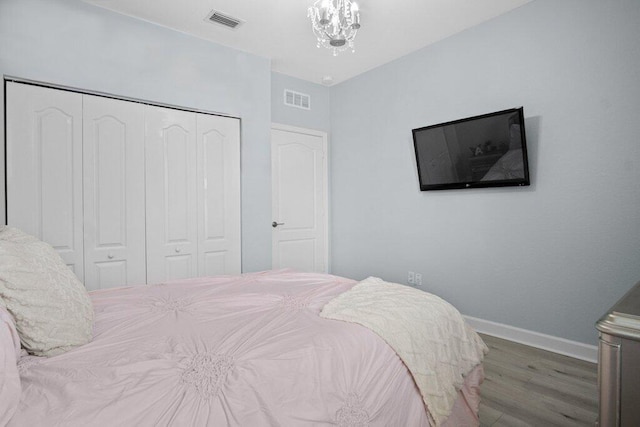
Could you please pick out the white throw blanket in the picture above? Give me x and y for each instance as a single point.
(429, 334)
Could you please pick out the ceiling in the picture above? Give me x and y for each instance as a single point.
(280, 30)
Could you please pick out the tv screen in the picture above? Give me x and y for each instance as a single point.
(482, 151)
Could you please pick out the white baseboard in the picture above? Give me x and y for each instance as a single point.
(563, 346)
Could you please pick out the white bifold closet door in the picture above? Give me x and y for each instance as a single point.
(193, 183)
(218, 171)
(75, 179)
(113, 180)
(127, 193)
(44, 168)
(172, 237)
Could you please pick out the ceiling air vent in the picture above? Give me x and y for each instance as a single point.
(223, 19)
(297, 99)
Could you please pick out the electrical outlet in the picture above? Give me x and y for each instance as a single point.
(418, 279)
(411, 278)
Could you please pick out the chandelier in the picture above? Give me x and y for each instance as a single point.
(335, 23)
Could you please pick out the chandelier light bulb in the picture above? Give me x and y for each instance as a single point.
(324, 16)
(356, 16)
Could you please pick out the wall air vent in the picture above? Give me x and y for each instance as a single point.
(297, 99)
(223, 19)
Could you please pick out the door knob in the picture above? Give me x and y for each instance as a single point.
(110, 256)
(275, 224)
(178, 250)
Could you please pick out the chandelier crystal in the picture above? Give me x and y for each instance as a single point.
(335, 23)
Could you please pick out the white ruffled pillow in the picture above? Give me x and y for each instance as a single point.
(51, 307)
(10, 387)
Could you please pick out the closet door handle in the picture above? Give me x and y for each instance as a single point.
(110, 256)
(178, 250)
(275, 224)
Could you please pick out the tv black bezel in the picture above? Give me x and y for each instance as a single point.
(518, 182)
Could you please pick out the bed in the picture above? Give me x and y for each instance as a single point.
(260, 349)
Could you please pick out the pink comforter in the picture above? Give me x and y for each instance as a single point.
(238, 351)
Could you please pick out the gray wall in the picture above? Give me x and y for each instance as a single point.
(317, 117)
(68, 42)
(551, 257)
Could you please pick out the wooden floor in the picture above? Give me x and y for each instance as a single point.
(525, 386)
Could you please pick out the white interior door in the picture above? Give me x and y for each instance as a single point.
(114, 205)
(299, 192)
(44, 167)
(171, 194)
(218, 168)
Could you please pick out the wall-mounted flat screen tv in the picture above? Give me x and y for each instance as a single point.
(482, 151)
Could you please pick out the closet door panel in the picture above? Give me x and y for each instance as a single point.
(177, 156)
(114, 206)
(171, 194)
(44, 167)
(179, 266)
(218, 195)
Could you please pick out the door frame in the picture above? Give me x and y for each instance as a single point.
(325, 183)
